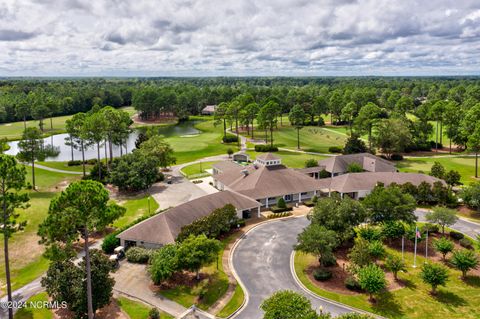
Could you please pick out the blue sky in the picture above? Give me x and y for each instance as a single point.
(238, 38)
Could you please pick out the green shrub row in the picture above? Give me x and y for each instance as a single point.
(139, 255)
(277, 215)
(277, 210)
(265, 148)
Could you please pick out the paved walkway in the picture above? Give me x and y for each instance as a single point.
(132, 280)
(51, 169)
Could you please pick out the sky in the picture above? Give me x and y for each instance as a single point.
(239, 37)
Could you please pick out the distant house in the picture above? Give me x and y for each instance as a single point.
(209, 110)
(164, 228)
(338, 165)
(266, 180)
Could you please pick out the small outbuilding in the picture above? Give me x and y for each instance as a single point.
(209, 110)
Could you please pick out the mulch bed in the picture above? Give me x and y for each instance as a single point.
(340, 274)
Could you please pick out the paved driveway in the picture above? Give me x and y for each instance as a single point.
(180, 191)
(465, 226)
(262, 262)
(133, 280)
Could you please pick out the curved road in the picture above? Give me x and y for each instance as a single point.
(262, 262)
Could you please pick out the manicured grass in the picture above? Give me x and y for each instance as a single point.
(459, 299)
(136, 207)
(50, 181)
(197, 169)
(13, 131)
(137, 310)
(234, 303)
(312, 138)
(64, 166)
(35, 313)
(473, 215)
(207, 143)
(290, 159)
(464, 165)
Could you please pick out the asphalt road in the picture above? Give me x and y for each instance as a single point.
(262, 262)
(465, 226)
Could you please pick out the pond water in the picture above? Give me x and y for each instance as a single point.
(184, 128)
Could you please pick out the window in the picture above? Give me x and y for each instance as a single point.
(288, 197)
(304, 194)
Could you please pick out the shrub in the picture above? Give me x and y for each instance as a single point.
(311, 163)
(94, 173)
(230, 139)
(92, 161)
(443, 246)
(369, 233)
(464, 260)
(322, 274)
(154, 314)
(138, 255)
(354, 168)
(281, 203)
(276, 209)
(335, 149)
(329, 260)
(265, 148)
(352, 284)
(354, 145)
(74, 163)
(431, 228)
(456, 235)
(323, 174)
(163, 263)
(396, 157)
(466, 243)
(393, 229)
(377, 250)
(395, 264)
(372, 279)
(110, 242)
(435, 275)
(160, 177)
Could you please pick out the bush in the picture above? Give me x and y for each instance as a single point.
(139, 255)
(92, 161)
(265, 148)
(241, 222)
(431, 228)
(154, 314)
(335, 149)
(281, 203)
(329, 260)
(456, 235)
(74, 163)
(322, 274)
(230, 139)
(311, 163)
(370, 233)
(160, 177)
(94, 173)
(432, 144)
(110, 242)
(276, 209)
(466, 243)
(352, 284)
(396, 157)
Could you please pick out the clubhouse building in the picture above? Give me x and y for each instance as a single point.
(252, 187)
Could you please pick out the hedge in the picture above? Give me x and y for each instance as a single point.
(335, 149)
(139, 255)
(277, 215)
(265, 148)
(322, 274)
(276, 209)
(230, 139)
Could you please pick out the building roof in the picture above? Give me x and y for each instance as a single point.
(227, 166)
(258, 181)
(209, 108)
(268, 157)
(366, 181)
(369, 162)
(164, 228)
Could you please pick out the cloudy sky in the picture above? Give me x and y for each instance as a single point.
(239, 37)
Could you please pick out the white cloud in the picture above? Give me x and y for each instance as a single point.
(248, 37)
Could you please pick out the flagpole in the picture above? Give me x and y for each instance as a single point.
(415, 249)
(426, 246)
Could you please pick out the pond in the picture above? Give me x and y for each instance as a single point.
(181, 129)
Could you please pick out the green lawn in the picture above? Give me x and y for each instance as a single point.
(459, 299)
(13, 131)
(207, 143)
(234, 303)
(32, 313)
(464, 165)
(197, 170)
(290, 159)
(137, 310)
(136, 207)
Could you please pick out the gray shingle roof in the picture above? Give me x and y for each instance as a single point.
(369, 162)
(164, 228)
